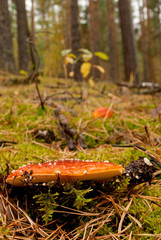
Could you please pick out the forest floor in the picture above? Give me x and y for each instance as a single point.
(112, 210)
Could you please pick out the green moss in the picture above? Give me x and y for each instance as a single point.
(41, 112)
(22, 109)
(133, 154)
(19, 115)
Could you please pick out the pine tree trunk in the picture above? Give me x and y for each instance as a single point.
(23, 55)
(32, 22)
(143, 43)
(150, 47)
(113, 43)
(128, 41)
(6, 46)
(75, 37)
(67, 25)
(94, 34)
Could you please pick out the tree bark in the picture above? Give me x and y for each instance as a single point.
(22, 28)
(6, 46)
(113, 43)
(32, 22)
(94, 33)
(75, 38)
(128, 41)
(143, 43)
(150, 46)
(67, 24)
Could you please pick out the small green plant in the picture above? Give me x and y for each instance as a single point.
(80, 201)
(41, 112)
(86, 57)
(4, 231)
(47, 203)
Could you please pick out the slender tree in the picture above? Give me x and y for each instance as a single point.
(150, 45)
(128, 41)
(84, 28)
(94, 33)
(23, 52)
(67, 24)
(155, 13)
(143, 42)
(113, 42)
(75, 37)
(6, 46)
(32, 22)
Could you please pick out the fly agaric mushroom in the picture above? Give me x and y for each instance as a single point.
(102, 112)
(64, 171)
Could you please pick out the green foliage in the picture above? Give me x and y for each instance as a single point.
(41, 112)
(65, 52)
(104, 229)
(20, 116)
(86, 57)
(102, 56)
(150, 217)
(86, 54)
(90, 141)
(79, 195)
(4, 231)
(22, 109)
(47, 203)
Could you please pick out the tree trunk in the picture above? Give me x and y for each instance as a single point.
(32, 22)
(143, 43)
(75, 37)
(6, 46)
(113, 43)
(150, 47)
(94, 34)
(67, 31)
(23, 55)
(67, 24)
(128, 41)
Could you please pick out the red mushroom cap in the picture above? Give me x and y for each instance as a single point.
(102, 112)
(65, 171)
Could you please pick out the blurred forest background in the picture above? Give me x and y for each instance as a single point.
(128, 32)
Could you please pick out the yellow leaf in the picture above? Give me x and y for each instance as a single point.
(23, 72)
(102, 55)
(85, 69)
(87, 57)
(101, 69)
(71, 74)
(91, 82)
(69, 60)
(72, 55)
(65, 52)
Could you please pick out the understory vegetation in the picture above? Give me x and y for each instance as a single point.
(83, 210)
